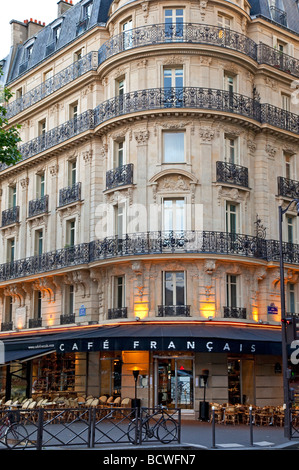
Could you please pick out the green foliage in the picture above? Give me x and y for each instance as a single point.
(9, 136)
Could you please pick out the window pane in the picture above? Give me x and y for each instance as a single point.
(174, 147)
(169, 289)
(180, 288)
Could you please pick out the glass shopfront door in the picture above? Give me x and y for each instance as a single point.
(174, 382)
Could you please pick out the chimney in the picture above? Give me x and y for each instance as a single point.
(18, 32)
(63, 6)
(34, 27)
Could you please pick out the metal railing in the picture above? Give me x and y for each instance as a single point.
(143, 243)
(158, 99)
(288, 187)
(173, 311)
(70, 194)
(49, 86)
(178, 33)
(117, 312)
(10, 216)
(233, 174)
(234, 312)
(89, 427)
(38, 206)
(119, 176)
(66, 319)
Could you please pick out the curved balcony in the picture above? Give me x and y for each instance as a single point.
(193, 98)
(197, 33)
(151, 243)
(191, 33)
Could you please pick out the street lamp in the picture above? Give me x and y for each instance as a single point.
(285, 369)
(136, 402)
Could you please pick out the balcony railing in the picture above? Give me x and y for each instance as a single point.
(118, 312)
(149, 243)
(232, 174)
(120, 176)
(272, 56)
(235, 312)
(58, 81)
(7, 326)
(38, 206)
(66, 319)
(70, 194)
(287, 187)
(173, 311)
(35, 323)
(279, 16)
(152, 99)
(10, 216)
(177, 33)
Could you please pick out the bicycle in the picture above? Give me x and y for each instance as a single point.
(12, 433)
(164, 429)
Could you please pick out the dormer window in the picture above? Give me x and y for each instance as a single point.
(87, 10)
(85, 16)
(29, 52)
(56, 33)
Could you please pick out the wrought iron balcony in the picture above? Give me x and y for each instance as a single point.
(66, 319)
(137, 244)
(35, 322)
(287, 187)
(271, 56)
(53, 260)
(173, 311)
(232, 174)
(279, 16)
(38, 206)
(120, 176)
(58, 81)
(118, 312)
(10, 216)
(235, 312)
(7, 326)
(177, 33)
(158, 99)
(70, 194)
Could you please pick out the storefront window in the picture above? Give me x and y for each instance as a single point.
(59, 373)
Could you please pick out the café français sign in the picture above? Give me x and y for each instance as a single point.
(167, 344)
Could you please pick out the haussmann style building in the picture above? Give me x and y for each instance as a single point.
(139, 231)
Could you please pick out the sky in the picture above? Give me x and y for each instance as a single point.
(20, 10)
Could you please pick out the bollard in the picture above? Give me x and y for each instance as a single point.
(213, 428)
(250, 423)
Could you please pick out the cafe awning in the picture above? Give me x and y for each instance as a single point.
(151, 336)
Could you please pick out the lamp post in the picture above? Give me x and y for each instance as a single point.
(285, 370)
(136, 402)
(204, 406)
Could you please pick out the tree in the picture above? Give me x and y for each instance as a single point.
(9, 136)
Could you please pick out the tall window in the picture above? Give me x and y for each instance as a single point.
(174, 214)
(119, 292)
(174, 147)
(8, 308)
(230, 82)
(291, 228)
(173, 77)
(37, 304)
(119, 154)
(10, 250)
(231, 150)
(40, 185)
(174, 290)
(12, 196)
(232, 221)
(285, 102)
(42, 127)
(38, 242)
(232, 290)
(70, 300)
(174, 19)
(70, 232)
(72, 172)
(291, 303)
(119, 220)
(127, 33)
